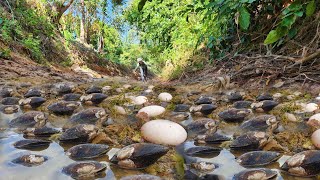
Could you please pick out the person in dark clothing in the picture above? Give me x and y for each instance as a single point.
(143, 69)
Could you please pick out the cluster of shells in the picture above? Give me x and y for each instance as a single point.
(166, 122)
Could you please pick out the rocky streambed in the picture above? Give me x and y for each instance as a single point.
(116, 129)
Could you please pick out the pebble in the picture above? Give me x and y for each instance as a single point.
(153, 110)
(166, 97)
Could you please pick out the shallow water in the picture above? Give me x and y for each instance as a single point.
(51, 169)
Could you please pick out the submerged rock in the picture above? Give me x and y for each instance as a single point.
(163, 132)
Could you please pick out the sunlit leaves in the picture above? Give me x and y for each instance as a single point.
(244, 18)
(311, 7)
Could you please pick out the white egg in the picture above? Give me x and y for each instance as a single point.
(153, 110)
(315, 138)
(163, 132)
(139, 100)
(166, 97)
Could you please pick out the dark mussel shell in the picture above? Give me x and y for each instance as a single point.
(181, 108)
(256, 174)
(31, 143)
(84, 169)
(202, 126)
(139, 155)
(204, 100)
(303, 164)
(63, 107)
(6, 92)
(94, 89)
(79, 133)
(250, 141)
(33, 102)
(260, 123)
(94, 116)
(234, 115)
(236, 96)
(258, 158)
(141, 177)
(71, 97)
(202, 150)
(41, 132)
(33, 93)
(87, 151)
(95, 98)
(30, 160)
(10, 101)
(242, 104)
(212, 138)
(263, 97)
(29, 119)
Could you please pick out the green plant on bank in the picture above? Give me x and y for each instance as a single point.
(33, 45)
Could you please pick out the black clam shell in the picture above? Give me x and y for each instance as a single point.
(78, 169)
(258, 158)
(144, 155)
(31, 143)
(87, 151)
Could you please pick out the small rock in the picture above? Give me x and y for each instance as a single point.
(290, 117)
(163, 132)
(140, 100)
(166, 97)
(120, 110)
(278, 84)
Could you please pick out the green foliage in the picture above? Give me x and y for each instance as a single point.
(33, 45)
(5, 53)
(311, 8)
(244, 18)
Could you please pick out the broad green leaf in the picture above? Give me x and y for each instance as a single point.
(272, 37)
(244, 18)
(299, 13)
(1, 21)
(293, 32)
(311, 7)
(288, 21)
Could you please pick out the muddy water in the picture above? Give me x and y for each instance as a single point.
(51, 169)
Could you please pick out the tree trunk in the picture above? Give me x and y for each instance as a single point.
(61, 9)
(83, 22)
